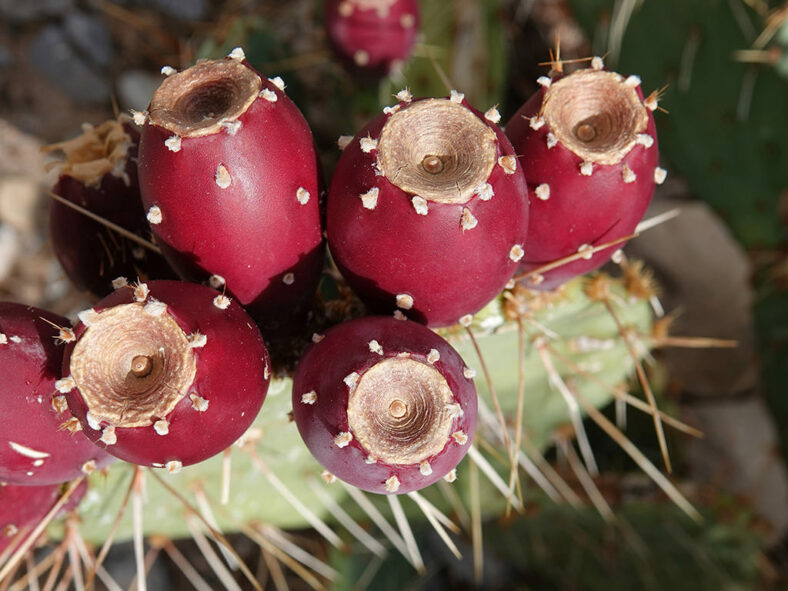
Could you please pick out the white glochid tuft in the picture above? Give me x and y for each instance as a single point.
(221, 301)
(237, 54)
(404, 301)
(508, 163)
(493, 115)
(370, 199)
(173, 143)
(420, 205)
(367, 144)
(343, 439)
(516, 253)
(222, 177)
(154, 215)
(467, 220)
(543, 191)
(392, 484)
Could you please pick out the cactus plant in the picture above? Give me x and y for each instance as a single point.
(431, 224)
(165, 374)
(546, 357)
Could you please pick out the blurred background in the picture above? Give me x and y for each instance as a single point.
(722, 264)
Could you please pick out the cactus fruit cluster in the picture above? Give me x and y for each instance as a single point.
(427, 219)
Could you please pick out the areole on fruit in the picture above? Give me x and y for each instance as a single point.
(165, 374)
(431, 223)
(588, 143)
(384, 404)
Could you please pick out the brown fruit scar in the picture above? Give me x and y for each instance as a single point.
(98, 151)
(398, 411)
(132, 368)
(201, 99)
(452, 154)
(595, 114)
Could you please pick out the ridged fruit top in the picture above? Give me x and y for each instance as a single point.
(588, 145)
(34, 448)
(428, 210)
(166, 373)
(229, 178)
(386, 405)
(372, 36)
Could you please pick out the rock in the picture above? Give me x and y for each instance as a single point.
(53, 55)
(19, 198)
(26, 11)
(185, 10)
(9, 250)
(705, 275)
(6, 59)
(739, 454)
(89, 35)
(135, 89)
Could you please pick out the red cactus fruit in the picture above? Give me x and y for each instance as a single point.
(229, 178)
(589, 148)
(34, 448)
(428, 210)
(100, 175)
(165, 374)
(372, 37)
(23, 507)
(384, 404)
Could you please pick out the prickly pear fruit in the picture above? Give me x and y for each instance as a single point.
(100, 175)
(372, 37)
(428, 210)
(165, 374)
(34, 449)
(23, 507)
(229, 178)
(589, 148)
(384, 404)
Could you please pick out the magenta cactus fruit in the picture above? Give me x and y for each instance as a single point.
(588, 144)
(372, 37)
(23, 507)
(428, 210)
(100, 174)
(165, 374)
(229, 179)
(386, 405)
(35, 449)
